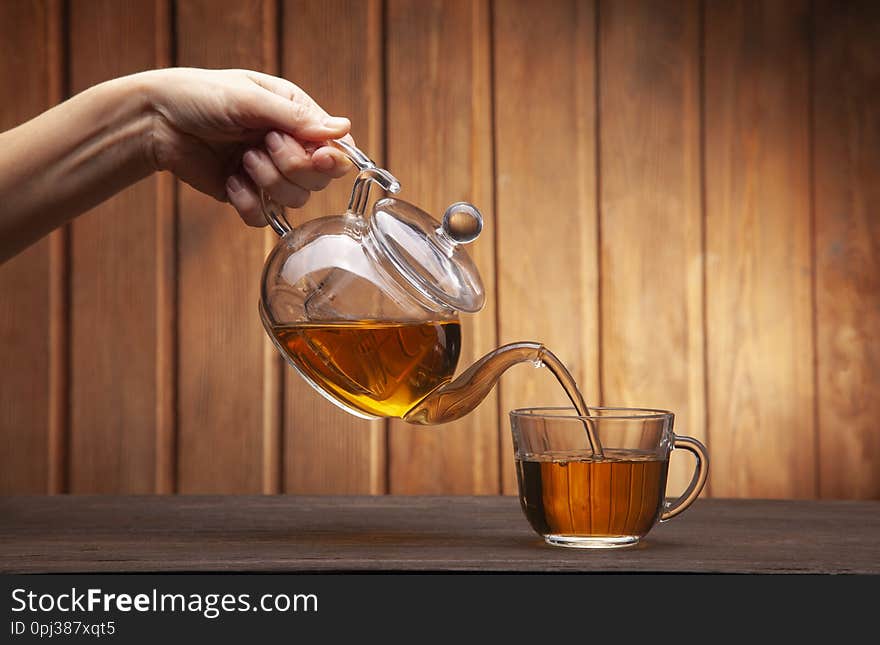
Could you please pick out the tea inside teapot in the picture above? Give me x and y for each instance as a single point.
(381, 368)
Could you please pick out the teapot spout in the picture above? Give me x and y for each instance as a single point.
(457, 398)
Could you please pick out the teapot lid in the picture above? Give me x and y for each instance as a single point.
(431, 255)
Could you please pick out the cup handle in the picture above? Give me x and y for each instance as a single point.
(697, 481)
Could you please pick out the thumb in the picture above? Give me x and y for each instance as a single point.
(301, 117)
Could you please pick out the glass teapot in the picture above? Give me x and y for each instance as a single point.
(366, 308)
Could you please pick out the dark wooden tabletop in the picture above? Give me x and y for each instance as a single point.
(152, 533)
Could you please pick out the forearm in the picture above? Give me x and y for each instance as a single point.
(71, 158)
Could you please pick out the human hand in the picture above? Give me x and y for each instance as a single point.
(229, 133)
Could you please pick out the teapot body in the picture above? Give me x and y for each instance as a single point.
(341, 315)
(365, 308)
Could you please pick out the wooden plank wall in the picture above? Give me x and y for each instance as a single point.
(117, 304)
(846, 245)
(759, 264)
(31, 436)
(682, 200)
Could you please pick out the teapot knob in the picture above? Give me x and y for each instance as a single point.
(462, 222)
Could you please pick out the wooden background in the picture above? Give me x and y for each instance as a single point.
(682, 201)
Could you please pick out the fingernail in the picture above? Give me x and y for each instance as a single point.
(325, 162)
(274, 142)
(234, 184)
(249, 159)
(337, 123)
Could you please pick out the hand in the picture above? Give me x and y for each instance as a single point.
(229, 133)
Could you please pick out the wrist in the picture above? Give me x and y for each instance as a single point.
(150, 90)
(125, 118)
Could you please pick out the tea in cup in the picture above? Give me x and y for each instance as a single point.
(576, 497)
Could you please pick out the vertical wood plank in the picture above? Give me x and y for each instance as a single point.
(326, 450)
(758, 284)
(651, 216)
(440, 147)
(222, 372)
(166, 291)
(545, 147)
(59, 276)
(114, 280)
(273, 376)
(846, 153)
(27, 64)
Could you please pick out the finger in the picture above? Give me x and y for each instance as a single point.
(263, 172)
(244, 197)
(276, 84)
(282, 105)
(285, 89)
(294, 162)
(331, 161)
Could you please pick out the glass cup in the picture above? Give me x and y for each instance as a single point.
(573, 497)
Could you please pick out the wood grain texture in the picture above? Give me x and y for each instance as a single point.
(281, 533)
(114, 309)
(846, 153)
(166, 292)
(651, 217)
(756, 313)
(273, 376)
(59, 276)
(328, 450)
(759, 308)
(221, 435)
(25, 399)
(545, 147)
(440, 147)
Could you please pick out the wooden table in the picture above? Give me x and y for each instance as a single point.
(151, 533)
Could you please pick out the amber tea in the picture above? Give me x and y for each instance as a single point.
(617, 495)
(380, 368)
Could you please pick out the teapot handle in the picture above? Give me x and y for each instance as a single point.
(360, 192)
(274, 214)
